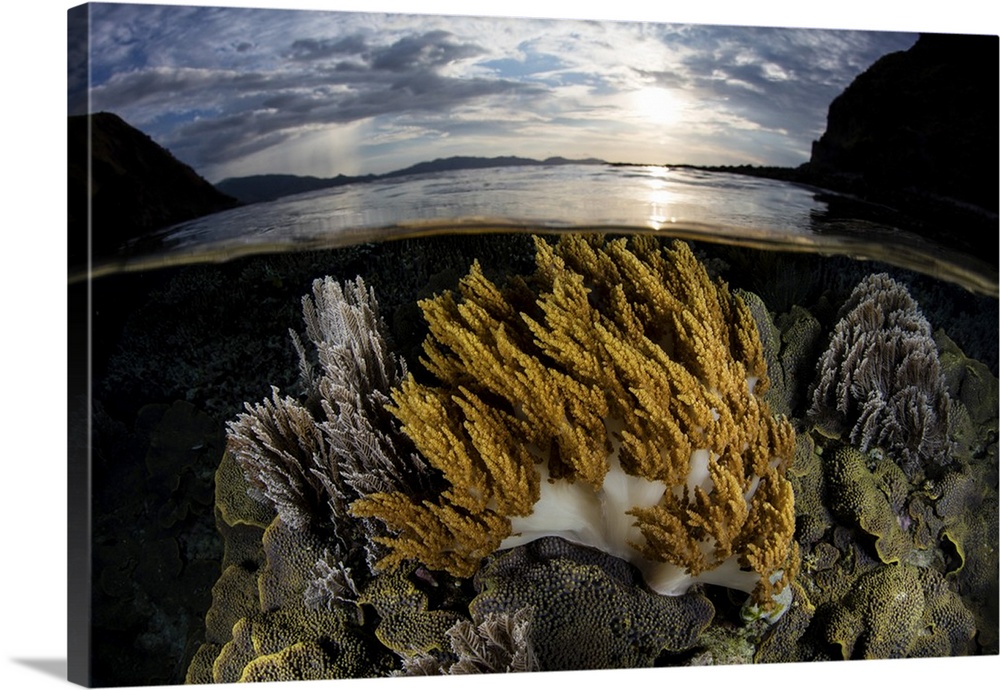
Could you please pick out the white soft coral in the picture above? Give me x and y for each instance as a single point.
(600, 519)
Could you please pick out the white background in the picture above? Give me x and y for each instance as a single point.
(33, 370)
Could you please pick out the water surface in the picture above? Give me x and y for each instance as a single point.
(682, 202)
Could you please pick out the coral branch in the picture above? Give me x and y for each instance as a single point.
(880, 379)
(311, 458)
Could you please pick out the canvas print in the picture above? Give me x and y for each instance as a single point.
(433, 345)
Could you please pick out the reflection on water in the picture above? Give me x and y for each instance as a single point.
(682, 202)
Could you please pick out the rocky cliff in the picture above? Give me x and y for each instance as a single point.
(919, 122)
(136, 186)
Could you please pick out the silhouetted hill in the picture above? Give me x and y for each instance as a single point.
(254, 188)
(922, 120)
(269, 187)
(478, 163)
(918, 131)
(916, 134)
(136, 187)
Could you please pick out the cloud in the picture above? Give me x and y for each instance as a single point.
(347, 80)
(312, 49)
(281, 113)
(423, 52)
(781, 80)
(221, 86)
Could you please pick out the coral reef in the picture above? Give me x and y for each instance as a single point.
(618, 374)
(925, 493)
(812, 515)
(357, 371)
(787, 640)
(859, 608)
(408, 624)
(580, 442)
(260, 626)
(279, 446)
(880, 379)
(789, 342)
(871, 537)
(496, 643)
(958, 517)
(898, 565)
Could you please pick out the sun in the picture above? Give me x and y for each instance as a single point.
(655, 104)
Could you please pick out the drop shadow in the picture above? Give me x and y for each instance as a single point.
(50, 667)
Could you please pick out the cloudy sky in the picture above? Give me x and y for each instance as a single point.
(239, 91)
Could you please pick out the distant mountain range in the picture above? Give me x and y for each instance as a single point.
(256, 188)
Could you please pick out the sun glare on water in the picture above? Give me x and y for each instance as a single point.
(659, 198)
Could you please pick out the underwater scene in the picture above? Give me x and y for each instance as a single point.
(501, 414)
(535, 451)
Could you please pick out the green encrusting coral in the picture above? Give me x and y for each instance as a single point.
(868, 491)
(591, 610)
(899, 558)
(899, 611)
(259, 627)
(407, 624)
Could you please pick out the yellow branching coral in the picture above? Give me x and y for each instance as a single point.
(612, 399)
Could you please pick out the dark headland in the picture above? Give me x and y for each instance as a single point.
(917, 132)
(136, 186)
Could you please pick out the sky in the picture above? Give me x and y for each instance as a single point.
(237, 91)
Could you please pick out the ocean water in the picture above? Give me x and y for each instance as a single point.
(680, 202)
(191, 324)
